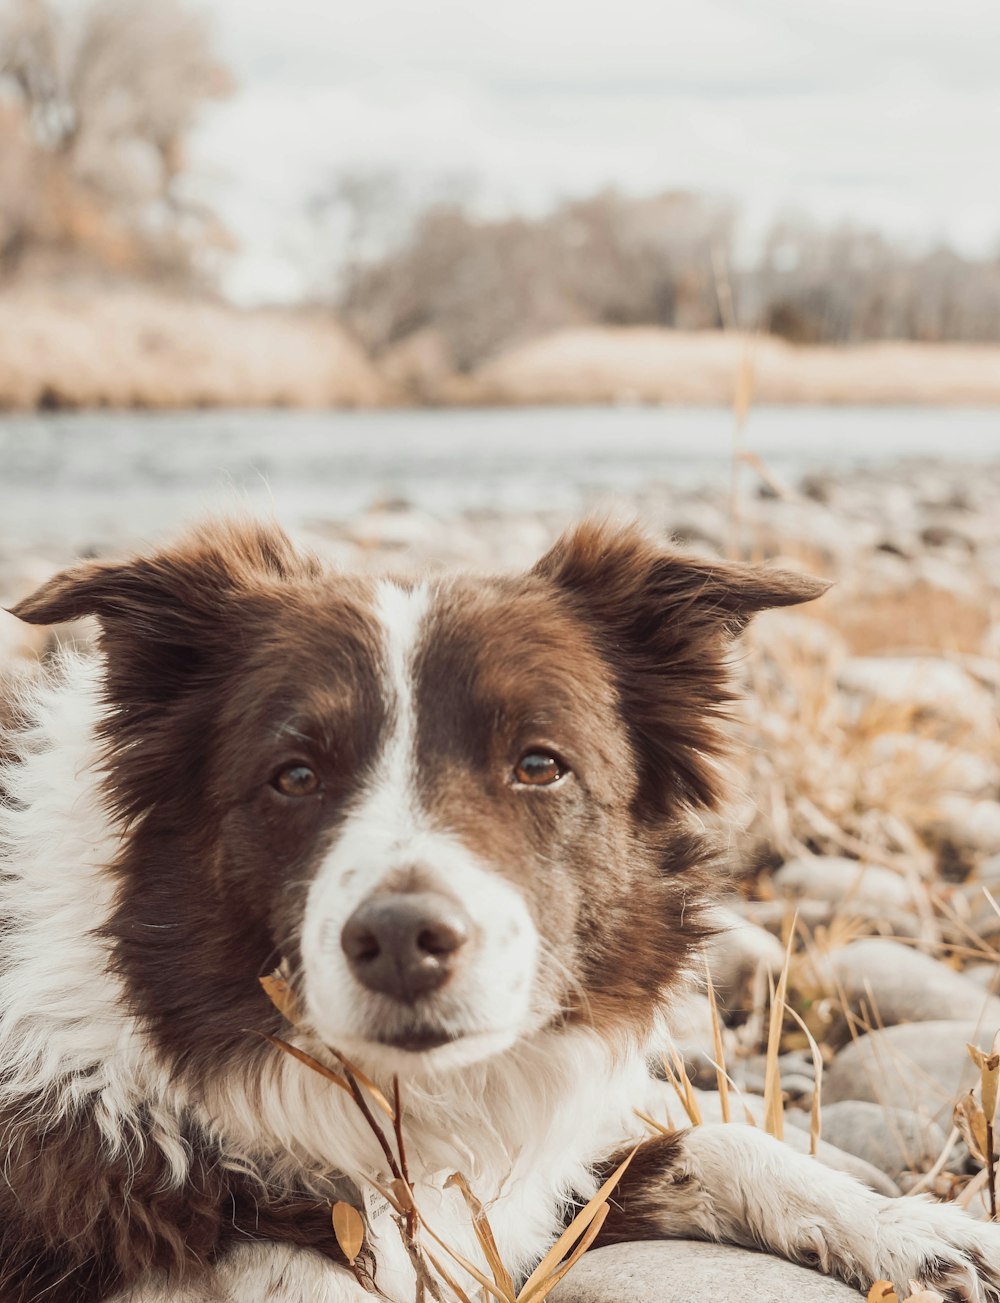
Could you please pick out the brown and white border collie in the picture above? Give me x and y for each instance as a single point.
(463, 815)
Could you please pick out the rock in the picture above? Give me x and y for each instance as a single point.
(693, 1271)
(906, 985)
(866, 887)
(736, 954)
(922, 1067)
(799, 635)
(965, 824)
(948, 768)
(796, 1085)
(689, 1022)
(985, 975)
(892, 1139)
(797, 1061)
(775, 916)
(798, 1075)
(983, 917)
(935, 686)
(946, 576)
(699, 523)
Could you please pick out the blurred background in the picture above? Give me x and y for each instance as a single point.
(427, 281)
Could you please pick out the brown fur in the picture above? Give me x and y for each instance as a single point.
(77, 1227)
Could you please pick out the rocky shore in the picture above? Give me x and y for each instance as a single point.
(865, 829)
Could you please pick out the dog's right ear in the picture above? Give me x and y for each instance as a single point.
(165, 616)
(162, 595)
(171, 625)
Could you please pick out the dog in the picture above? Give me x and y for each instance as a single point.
(464, 818)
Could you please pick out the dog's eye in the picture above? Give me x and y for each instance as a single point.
(538, 769)
(296, 780)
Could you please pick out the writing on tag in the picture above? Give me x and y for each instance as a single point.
(377, 1206)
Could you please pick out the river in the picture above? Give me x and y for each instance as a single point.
(80, 478)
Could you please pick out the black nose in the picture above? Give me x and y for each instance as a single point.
(404, 944)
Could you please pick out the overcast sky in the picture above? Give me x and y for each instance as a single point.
(886, 111)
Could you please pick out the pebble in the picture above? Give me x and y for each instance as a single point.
(693, 1271)
(737, 953)
(965, 823)
(866, 887)
(937, 687)
(947, 767)
(689, 1022)
(922, 1067)
(892, 1139)
(985, 975)
(775, 915)
(905, 985)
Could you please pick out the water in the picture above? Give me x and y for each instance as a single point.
(84, 477)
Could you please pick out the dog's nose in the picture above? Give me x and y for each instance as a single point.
(404, 944)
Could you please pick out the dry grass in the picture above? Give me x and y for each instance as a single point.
(918, 619)
(834, 774)
(650, 365)
(138, 348)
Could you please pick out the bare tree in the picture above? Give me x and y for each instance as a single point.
(101, 100)
(482, 284)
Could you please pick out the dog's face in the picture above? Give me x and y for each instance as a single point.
(455, 810)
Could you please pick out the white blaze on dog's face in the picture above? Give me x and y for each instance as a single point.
(410, 942)
(455, 811)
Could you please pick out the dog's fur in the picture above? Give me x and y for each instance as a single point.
(154, 1146)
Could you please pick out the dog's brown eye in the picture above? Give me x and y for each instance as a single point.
(296, 780)
(538, 769)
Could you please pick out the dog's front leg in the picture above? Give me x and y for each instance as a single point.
(276, 1273)
(260, 1273)
(739, 1186)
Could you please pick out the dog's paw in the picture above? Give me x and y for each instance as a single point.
(943, 1249)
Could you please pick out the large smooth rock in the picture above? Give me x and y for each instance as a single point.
(948, 768)
(689, 1022)
(908, 986)
(922, 1067)
(927, 683)
(868, 888)
(690, 1271)
(968, 824)
(892, 1139)
(985, 975)
(735, 955)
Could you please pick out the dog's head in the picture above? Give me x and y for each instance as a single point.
(457, 810)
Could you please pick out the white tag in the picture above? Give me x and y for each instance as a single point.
(377, 1206)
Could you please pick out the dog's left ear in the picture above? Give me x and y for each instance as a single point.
(665, 621)
(632, 583)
